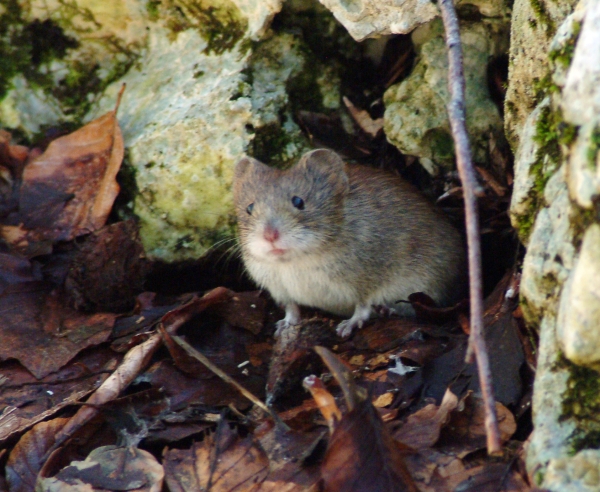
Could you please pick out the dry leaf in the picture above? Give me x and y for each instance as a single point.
(221, 462)
(28, 456)
(69, 190)
(109, 468)
(422, 428)
(44, 334)
(362, 456)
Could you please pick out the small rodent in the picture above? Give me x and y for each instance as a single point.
(342, 238)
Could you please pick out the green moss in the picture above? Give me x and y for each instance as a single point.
(539, 9)
(564, 54)
(544, 87)
(593, 148)
(581, 403)
(441, 144)
(270, 145)
(304, 92)
(219, 23)
(28, 49)
(552, 134)
(152, 7)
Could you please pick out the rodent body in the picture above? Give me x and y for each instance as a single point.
(342, 238)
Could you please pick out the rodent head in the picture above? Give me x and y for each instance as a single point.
(287, 214)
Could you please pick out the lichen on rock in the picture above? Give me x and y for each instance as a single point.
(416, 119)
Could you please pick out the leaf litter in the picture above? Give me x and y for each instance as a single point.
(107, 387)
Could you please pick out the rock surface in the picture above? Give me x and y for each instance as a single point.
(373, 18)
(533, 25)
(554, 209)
(416, 118)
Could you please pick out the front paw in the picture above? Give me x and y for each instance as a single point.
(345, 328)
(282, 326)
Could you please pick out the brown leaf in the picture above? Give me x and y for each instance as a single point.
(466, 427)
(42, 333)
(69, 189)
(363, 119)
(221, 462)
(490, 477)
(111, 468)
(362, 456)
(27, 401)
(422, 428)
(244, 309)
(108, 269)
(27, 457)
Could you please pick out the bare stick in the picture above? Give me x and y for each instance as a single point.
(226, 377)
(456, 114)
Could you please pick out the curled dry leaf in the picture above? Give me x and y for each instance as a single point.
(28, 456)
(110, 468)
(222, 462)
(27, 401)
(69, 190)
(362, 456)
(325, 401)
(135, 360)
(363, 119)
(422, 428)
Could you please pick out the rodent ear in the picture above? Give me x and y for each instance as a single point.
(328, 166)
(323, 159)
(245, 166)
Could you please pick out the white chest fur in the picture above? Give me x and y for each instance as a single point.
(305, 282)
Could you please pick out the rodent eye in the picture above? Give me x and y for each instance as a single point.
(298, 202)
(249, 208)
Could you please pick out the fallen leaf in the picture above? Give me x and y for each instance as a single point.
(26, 400)
(466, 426)
(108, 269)
(69, 190)
(28, 455)
(44, 334)
(362, 456)
(110, 468)
(422, 428)
(371, 127)
(221, 462)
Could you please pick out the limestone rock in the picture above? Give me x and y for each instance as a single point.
(553, 208)
(524, 203)
(579, 312)
(373, 18)
(581, 97)
(533, 26)
(551, 382)
(583, 171)
(416, 118)
(580, 473)
(550, 253)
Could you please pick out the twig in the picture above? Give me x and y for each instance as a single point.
(456, 114)
(225, 377)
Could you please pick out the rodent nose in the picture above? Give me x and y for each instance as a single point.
(271, 234)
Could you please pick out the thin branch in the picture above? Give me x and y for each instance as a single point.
(456, 114)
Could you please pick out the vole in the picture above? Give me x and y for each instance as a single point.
(342, 238)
